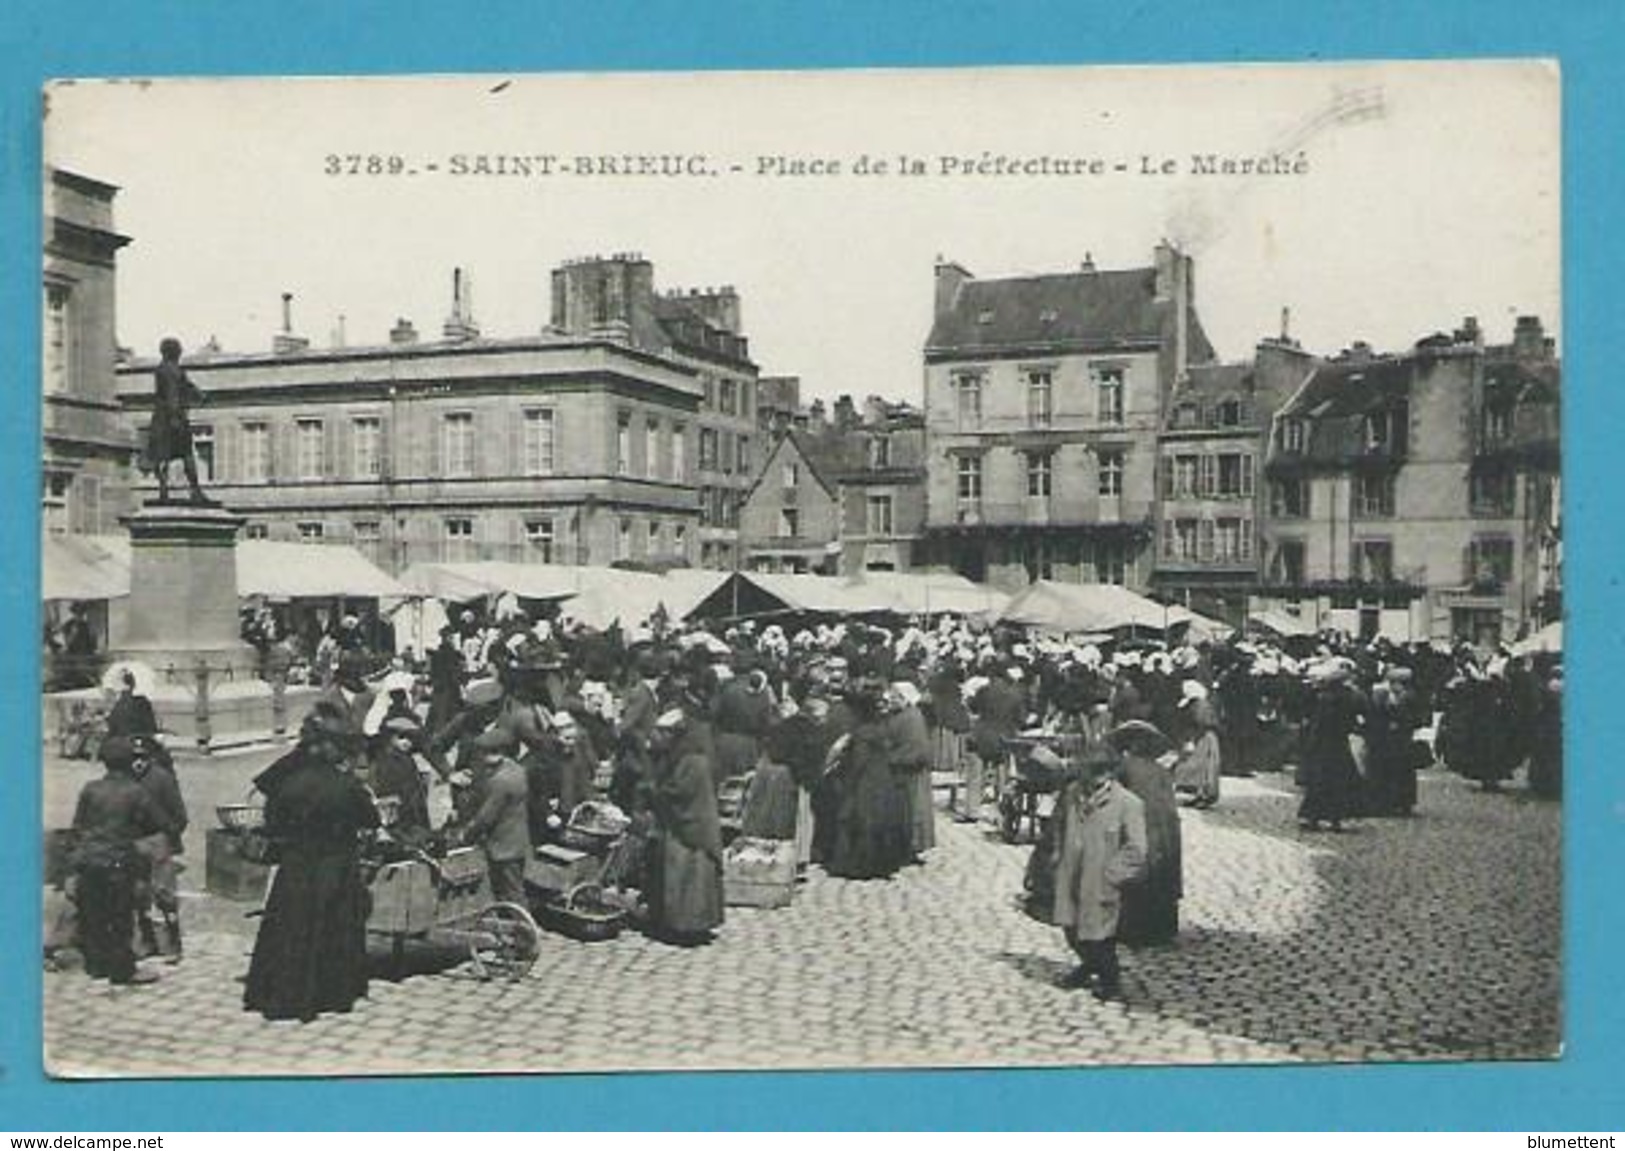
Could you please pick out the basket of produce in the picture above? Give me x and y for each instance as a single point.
(240, 816)
(593, 826)
(583, 913)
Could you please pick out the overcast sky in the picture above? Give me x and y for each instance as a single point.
(1431, 193)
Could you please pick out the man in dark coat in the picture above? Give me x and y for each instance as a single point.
(310, 954)
(502, 824)
(154, 770)
(112, 814)
(170, 437)
(131, 714)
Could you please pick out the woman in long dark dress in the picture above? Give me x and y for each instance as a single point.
(310, 955)
(1331, 781)
(1150, 913)
(872, 835)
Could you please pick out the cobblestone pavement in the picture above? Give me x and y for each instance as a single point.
(1430, 938)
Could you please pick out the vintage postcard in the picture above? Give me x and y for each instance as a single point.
(939, 568)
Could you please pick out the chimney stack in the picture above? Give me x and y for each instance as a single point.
(949, 277)
(1088, 264)
(1528, 337)
(460, 324)
(285, 342)
(403, 332)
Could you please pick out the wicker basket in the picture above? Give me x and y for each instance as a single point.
(240, 816)
(583, 913)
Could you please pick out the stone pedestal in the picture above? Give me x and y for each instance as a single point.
(182, 621)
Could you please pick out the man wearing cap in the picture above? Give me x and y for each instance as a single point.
(112, 814)
(1390, 748)
(1101, 849)
(394, 773)
(502, 824)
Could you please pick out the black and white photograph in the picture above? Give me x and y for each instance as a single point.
(860, 569)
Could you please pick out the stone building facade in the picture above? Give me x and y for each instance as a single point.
(1044, 399)
(1210, 499)
(1416, 495)
(87, 449)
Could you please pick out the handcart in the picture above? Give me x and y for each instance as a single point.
(423, 896)
(1027, 794)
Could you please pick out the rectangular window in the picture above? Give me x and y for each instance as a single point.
(1185, 469)
(1293, 436)
(1111, 563)
(1235, 476)
(789, 522)
(1232, 539)
(58, 348)
(679, 541)
(308, 447)
(254, 445)
(1497, 424)
(729, 398)
(880, 518)
(745, 461)
(1494, 492)
(623, 444)
(1109, 382)
(679, 453)
(459, 453)
(1039, 474)
(1386, 431)
(1289, 499)
(880, 452)
(1374, 560)
(257, 531)
(536, 449)
(726, 457)
(651, 449)
(1489, 561)
(369, 538)
(623, 540)
(705, 507)
(459, 539)
(365, 436)
(539, 539)
(1179, 540)
(203, 450)
(1039, 396)
(1110, 469)
(968, 398)
(708, 449)
(968, 481)
(1288, 565)
(1205, 541)
(311, 531)
(791, 476)
(1374, 496)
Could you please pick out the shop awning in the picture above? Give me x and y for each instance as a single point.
(1280, 623)
(1548, 640)
(84, 568)
(1088, 608)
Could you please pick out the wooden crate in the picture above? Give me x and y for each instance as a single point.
(759, 873)
(233, 866)
(461, 884)
(750, 893)
(404, 899)
(555, 868)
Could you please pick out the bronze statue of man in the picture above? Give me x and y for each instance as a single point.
(170, 437)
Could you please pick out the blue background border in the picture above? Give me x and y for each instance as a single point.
(40, 39)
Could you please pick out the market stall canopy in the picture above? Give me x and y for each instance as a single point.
(98, 567)
(596, 596)
(1280, 623)
(1200, 628)
(284, 571)
(931, 593)
(1548, 640)
(1068, 607)
(84, 568)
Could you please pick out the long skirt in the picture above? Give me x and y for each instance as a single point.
(1198, 771)
(310, 955)
(769, 810)
(684, 889)
(922, 812)
(804, 827)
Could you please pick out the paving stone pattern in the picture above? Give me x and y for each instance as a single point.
(1431, 938)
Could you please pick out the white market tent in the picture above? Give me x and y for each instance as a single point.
(595, 596)
(1548, 640)
(1280, 623)
(773, 593)
(98, 567)
(1202, 629)
(933, 593)
(1063, 607)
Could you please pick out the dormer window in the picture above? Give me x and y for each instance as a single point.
(1293, 436)
(1228, 414)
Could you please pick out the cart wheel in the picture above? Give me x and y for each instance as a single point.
(503, 942)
